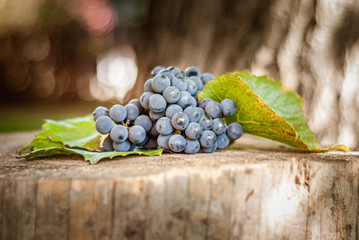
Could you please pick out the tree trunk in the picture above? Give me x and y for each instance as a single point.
(229, 194)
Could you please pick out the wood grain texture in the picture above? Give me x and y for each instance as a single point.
(257, 194)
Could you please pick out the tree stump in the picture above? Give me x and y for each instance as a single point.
(251, 194)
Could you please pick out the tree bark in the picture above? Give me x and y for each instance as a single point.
(258, 194)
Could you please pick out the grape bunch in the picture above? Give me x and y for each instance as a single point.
(168, 116)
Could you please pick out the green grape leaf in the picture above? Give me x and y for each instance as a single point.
(92, 157)
(74, 136)
(266, 108)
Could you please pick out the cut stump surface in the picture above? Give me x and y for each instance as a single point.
(252, 194)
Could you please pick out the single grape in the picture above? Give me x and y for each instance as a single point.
(157, 103)
(137, 102)
(172, 109)
(151, 143)
(119, 133)
(180, 121)
(192, 87)
(144, 121)
(198, 82)
(204, 101)
(107, 144)
(153, 131)
(104, 124)
(222, 141)
(213, 109)
(137, 134)
(162, 141)
(185, 99)
(192, 146)
(234, 131)
(163, 126)
(167, 73)
(132, 111)
(205, 122)
(118, 113)
(192, 113)
(160, 82)
(229, 107)
(177, 143)
(219, 126)
(175, 70)
(155, 116)
(148, 86)
(180, 83)
(201, 111)
(206, 77)
(171, 94)
(193, 102)
(193, 71)
(210, 149)
(194, 131)
(145, 98)
(100, 111)
(156, 70)
(124, 146)
(207, 139)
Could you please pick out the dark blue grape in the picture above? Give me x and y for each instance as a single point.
(124, 146)
(180, 83)
(155, 116)
(157, 103)
(163, 126)
(144, 121)
(118, 113)
(180, 121)
(205, 122)
(171, 94)
(201, 111)
(137, 134)
(192, 146)
(156, 70)
(203, 102)
(193, 102)
(137, 102)
(145, 98)
(222, 141)
(192, 87)
(229, 107)
(100, 111)
(194, 131)
(219, 126)
(132, 111)
(177, 143)
(198, 82)
(172, 109)
(185, 99)
(104, 124)
(153, 131)
(175, 70)
(151, 143)
(148, 86)
(167, 73)
(107, 144)
(162, 141)
(160, 82)
(119, 133)
(213, 109)
(207, 139)
(143, 143)
(192, 113)
(210, 149)
(234, 131)
(193, 71)
(206, 77)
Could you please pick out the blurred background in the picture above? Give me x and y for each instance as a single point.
(62, 58)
